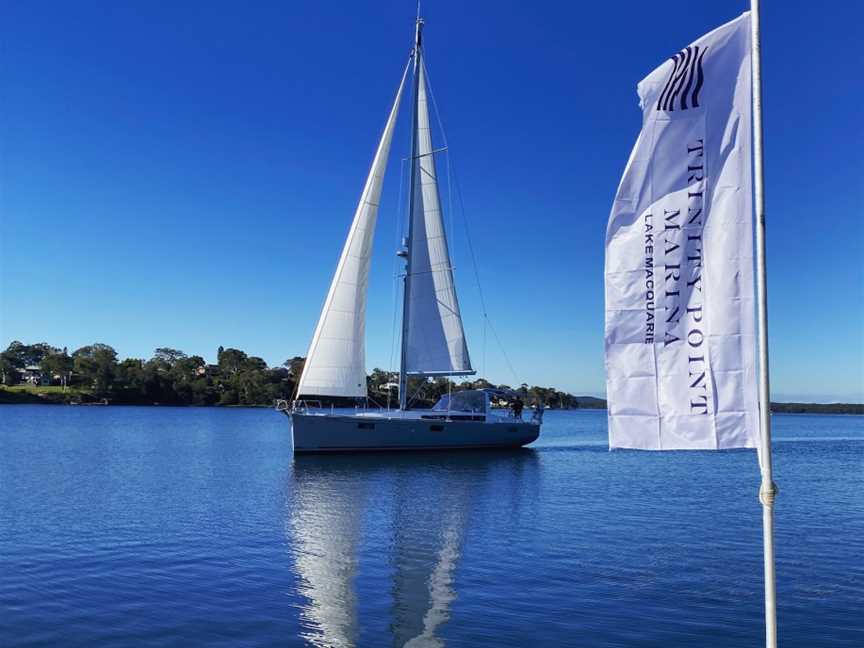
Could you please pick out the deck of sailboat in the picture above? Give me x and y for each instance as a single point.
(415, 414)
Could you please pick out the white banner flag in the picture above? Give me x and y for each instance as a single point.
(680, 307)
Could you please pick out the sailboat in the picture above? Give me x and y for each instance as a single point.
(433, 337)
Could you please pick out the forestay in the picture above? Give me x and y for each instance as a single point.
(435, 338)
(336, 361)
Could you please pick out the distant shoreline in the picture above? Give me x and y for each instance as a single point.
(34, 396)
(589, 402)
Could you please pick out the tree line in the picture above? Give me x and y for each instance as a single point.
(171, 377)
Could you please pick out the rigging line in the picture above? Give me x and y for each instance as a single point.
(484, 345)
(450, 190)
(473, 254)
(451, 174)
(487, 321)
(503, 351)
(398, 243)
(434, 103)
(450, 202)
(444, 147)
(475, 266)
(451, 171)
(401, 223)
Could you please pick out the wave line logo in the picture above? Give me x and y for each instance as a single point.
(685, 82)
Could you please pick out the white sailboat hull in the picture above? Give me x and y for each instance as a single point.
(406, 431)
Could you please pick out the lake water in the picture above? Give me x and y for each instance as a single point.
(129, 526)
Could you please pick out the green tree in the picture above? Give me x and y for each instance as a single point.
(58, 364)
(171, 376)
(8, 369)
(295, 366)
(254, 363)
(168, 355)
(97, 364)
(25, 355)
(189, 383)
(232, 361)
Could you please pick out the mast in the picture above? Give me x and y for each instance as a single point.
(406, 299)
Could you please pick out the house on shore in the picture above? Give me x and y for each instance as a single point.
(33, 375)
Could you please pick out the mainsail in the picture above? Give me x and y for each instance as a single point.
(336, 362)
(434, 335)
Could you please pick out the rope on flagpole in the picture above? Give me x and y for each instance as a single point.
(768, 489)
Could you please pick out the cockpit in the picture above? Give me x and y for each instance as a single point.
(474, 401)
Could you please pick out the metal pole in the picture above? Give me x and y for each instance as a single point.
(768, 489)
(406, 300)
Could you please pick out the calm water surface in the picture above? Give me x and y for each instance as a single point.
(187, 527)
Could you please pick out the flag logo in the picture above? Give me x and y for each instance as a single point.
(685, 81)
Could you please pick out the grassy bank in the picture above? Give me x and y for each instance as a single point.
(51, 394)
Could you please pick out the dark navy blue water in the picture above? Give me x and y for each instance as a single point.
(196, 527)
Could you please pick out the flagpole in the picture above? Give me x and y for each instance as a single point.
(768, 489)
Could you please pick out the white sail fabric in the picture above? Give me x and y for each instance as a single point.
(680, 315)
(336, 362)
(435, 339)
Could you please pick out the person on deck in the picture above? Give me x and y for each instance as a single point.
(517, 408)
(539, 407)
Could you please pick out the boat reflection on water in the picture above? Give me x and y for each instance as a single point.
(324, 528)
(409, 516)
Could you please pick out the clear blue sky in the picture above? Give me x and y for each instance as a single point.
(185, 175)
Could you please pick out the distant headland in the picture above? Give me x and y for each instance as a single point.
(42, 373)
